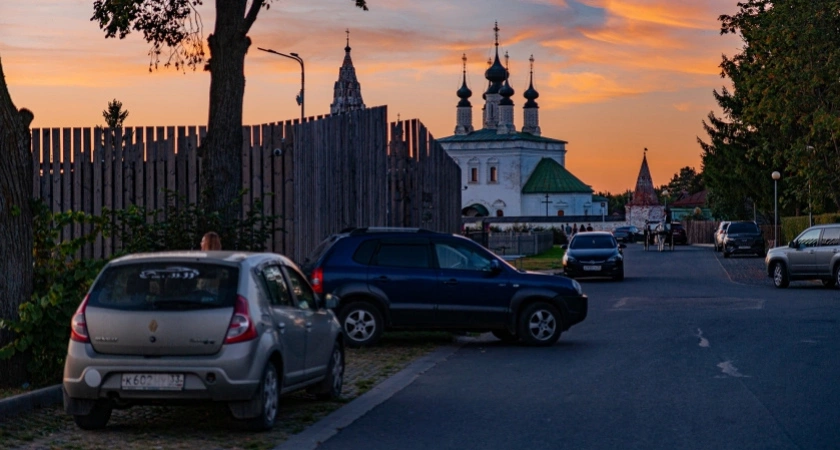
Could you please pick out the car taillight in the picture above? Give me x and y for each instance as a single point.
(241, 326)
(317, 280)
(78, 325)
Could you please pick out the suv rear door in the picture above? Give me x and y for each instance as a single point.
(401, 271)
(828, 247)
(469, 293)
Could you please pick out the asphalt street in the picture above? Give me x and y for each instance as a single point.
(691, 351)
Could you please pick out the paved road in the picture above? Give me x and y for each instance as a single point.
(691, 351)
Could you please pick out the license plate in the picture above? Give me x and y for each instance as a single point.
(745, 247)
(153, 381)
(592, 268)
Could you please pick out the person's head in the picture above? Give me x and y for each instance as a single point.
(211, 241)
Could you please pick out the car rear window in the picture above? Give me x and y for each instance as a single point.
(742, 227)
(169, 285)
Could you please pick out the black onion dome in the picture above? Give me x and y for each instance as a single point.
(506, 92)
(496, 73)
(531, 94)
(464, 92)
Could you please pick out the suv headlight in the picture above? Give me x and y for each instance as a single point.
(568, 258)
(577, 287)
(615, 258)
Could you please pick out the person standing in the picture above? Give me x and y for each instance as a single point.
(211, 241)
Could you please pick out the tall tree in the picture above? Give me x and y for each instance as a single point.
(787, 86)
(176, 25)
(16, 271)
(686, 182)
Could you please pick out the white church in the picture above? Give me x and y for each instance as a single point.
(508, 172)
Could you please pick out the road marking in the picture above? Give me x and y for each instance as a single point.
(729, 369)
(703, 341)
(686, 303)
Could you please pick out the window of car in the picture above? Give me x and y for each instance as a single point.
(159, 285)
(303, 291)
(809, 238)
(830, 237)
(460, 255)
(278, 290)
(585, 242)
(742, 227)
(365, 251)
(402, 254)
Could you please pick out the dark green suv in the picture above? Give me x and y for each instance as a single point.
(407, 278)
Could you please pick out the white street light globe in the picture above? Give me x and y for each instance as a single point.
(776, 175)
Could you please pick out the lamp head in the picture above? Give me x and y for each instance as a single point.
(294, 54)
(776, 175)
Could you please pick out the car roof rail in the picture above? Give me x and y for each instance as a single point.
(358, 231)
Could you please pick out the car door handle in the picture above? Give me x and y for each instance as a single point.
(451, 281)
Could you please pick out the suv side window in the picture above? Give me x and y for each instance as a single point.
(809, 238)
(830, 237)
(303, 292)
(460, 255)
(365, 251)
(402, 254)
(278, 291)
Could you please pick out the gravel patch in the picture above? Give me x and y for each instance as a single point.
(212, 427)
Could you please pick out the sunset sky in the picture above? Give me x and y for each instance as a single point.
(614, 76)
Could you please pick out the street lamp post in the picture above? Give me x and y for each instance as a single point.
(776, 175)
(297, 58)
(810, 148)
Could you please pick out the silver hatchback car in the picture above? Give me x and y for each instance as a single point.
(239, 328)
(813, 255)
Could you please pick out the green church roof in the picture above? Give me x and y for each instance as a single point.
(549, 177)
(485, 135)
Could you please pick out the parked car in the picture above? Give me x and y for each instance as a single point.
(719, 234)
(678, 234)
(594, 254)
(743, 237)
(627, 234)
(408, 278)
(183, 327)
(813, 255)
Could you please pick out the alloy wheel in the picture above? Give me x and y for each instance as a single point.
(359, 325)
(542, 324)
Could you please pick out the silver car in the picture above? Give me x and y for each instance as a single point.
(239, 328)
(813, 255)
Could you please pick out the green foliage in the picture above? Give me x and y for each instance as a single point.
(792, 226)
(687, 182)
(181, 225)
(782, 113)
(114, 115)
(61, 282)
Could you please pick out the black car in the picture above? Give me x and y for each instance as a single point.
(627, 234)
(405, 278)
(743, 237)
(594, 254)
(678, 234)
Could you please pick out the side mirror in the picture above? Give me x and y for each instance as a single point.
(330, 301)
(792, 244)
(565, 246)
(495, 266)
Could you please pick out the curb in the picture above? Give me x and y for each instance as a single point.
(28, 401)
(329, 426)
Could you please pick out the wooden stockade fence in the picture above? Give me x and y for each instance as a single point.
(324, 174)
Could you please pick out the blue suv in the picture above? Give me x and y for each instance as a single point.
(408, 278)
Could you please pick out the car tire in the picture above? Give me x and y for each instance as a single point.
(330, 387)
(505, 336)
(726, 254)
(762, 253)
(361, 323)
(780, 275)
(97, 418)
(539, 324)
(268, 396)
(837, 275)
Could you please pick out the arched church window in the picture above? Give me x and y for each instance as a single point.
(499, 213)
(473, 165)
(493, 172)
(561, 212)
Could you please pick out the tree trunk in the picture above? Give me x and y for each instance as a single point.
(16, 270)
(222, 148)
